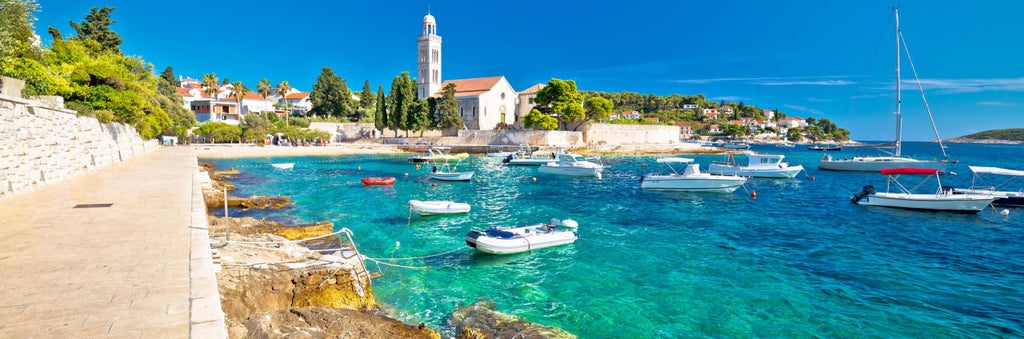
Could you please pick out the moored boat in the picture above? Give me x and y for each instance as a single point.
(758, 166)
(437, 154)
(942, 200)
(435, 207)
(572, 164)
(499, 240)
(691, 179)
(824, 147)
(999, 190)
(372, 181)
(286, 165)
(448, 173)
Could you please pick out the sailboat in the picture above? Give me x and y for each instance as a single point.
(896, 160)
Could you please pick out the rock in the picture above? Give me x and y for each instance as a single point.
(249, 226)
(215, 198)
(322, 322)
(480, 320)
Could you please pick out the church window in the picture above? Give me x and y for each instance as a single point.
(503, 95)
(531, 101)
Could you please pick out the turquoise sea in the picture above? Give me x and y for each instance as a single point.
(800, 260)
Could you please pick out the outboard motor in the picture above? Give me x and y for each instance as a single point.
(507, 159)
(863, 193)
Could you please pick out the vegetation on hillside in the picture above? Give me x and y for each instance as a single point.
(1010, 134)
(89, 71)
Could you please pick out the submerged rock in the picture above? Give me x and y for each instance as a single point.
(480, 320)
(321, 322)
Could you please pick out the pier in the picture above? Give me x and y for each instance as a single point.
(119, 252)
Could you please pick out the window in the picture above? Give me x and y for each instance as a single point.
(502, 95)
(531, 101)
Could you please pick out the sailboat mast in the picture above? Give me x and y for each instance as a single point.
(899, 100)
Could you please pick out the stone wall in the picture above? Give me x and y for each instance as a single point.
(45, 143)
(516, 137)
(616, 134)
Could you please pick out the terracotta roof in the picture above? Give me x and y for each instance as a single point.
(254, 96)
(532, 89)
(473, 86)
(183, 91)
(296, 95)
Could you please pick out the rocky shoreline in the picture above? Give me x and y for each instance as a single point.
(308, 281)
(983, 141)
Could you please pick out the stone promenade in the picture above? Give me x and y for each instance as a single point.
(131, 260)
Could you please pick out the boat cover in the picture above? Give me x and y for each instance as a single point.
(496, 233)
(908, 170)
(682, 160)
(995, 170)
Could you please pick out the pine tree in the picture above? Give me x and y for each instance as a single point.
(96, 26)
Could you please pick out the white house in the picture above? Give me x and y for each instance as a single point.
(225, 111)
(484, 102)
(792, 122)
(299, 102)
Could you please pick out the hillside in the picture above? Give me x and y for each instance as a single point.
(1009, 135)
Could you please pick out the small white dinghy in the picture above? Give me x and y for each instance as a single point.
(425, 208)
(286, 165)
(522, 239)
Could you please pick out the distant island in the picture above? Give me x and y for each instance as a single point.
(996, 136)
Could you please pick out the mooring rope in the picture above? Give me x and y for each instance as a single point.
(425, 256)
(397, 265)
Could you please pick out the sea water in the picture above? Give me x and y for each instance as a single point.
(800, 260)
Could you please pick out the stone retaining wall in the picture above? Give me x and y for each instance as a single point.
(615, 134)
(516, 137)
(44, 144)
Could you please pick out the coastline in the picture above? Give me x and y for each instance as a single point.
(228, 151)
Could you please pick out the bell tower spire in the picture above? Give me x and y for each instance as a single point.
(428, 75)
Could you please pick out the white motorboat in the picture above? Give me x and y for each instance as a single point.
(524, 157)
(896, 160)
(574, 165)
(1003, 196)
(942, 200)
(448, 173)
(501, 152)
(691, 179)
(758, 166)
(438, 154)
(522, 239)
(286, 165)
(435, 207)
(736, 145)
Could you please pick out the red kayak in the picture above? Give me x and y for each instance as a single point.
(379, 181)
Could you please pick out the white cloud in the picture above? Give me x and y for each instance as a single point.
(728, 98)
(802, 109)
(813, 99)
(999, 103)
(828, 80)
(970, 85)
(807, 83)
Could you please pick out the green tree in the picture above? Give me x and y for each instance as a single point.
(561, 97)
(96, 27)
(402, 97)
(210, 85)
(366, 98)
(16, 20)
(168, 74)
(419, 116)
(263, 88)
(330, 96)
(538, 120)
(238, 91)
(255, 128)
(380, 116)
(598, 108)
(448, 109)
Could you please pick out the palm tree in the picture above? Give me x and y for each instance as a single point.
(238, 90)
(263, 88)
(283, 88)
(210, 85)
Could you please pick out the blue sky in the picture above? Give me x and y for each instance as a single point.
(826, 59)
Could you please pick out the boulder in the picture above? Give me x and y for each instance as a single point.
(322, 322)
(480, 320)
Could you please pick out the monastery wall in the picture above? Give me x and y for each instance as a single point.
(617, 134)
(45, 143)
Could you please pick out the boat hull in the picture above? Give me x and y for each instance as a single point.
(961, 203)
(785, 173)
(1003, 198)
(528, 162)
(875, 164)
(680, 183)
(519, 240)
(289, 165)
(572, 171)
(378, 181)
(451, 176)
(425, 208)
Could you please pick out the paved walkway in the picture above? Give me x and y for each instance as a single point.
(118, 271)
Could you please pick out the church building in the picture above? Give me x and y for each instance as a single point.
(484, 103)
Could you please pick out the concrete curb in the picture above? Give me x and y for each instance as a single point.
(206, 318)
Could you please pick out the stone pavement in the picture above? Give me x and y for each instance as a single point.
(139, 268)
